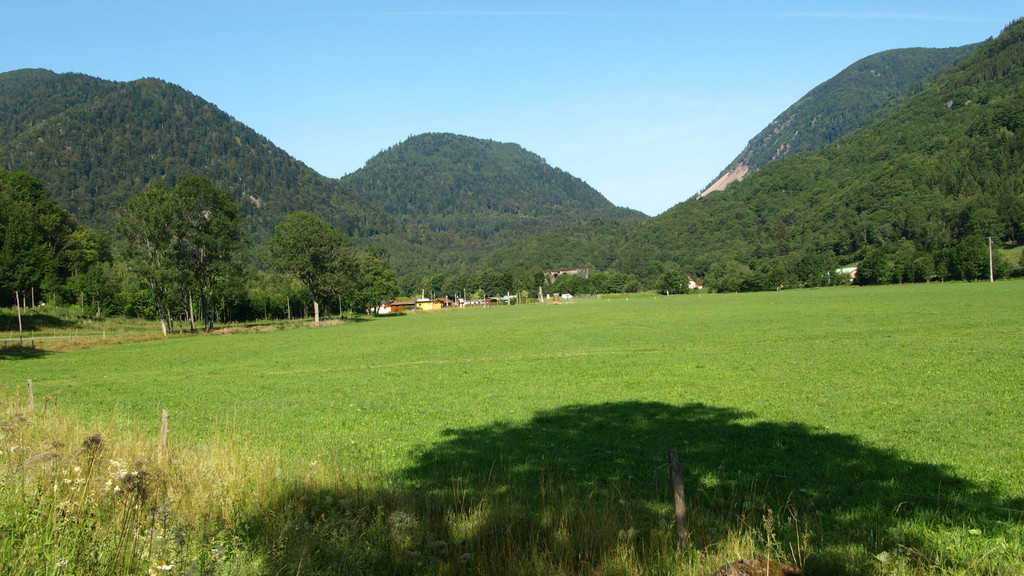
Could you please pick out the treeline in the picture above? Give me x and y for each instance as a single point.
(527, 282)
(178, 254)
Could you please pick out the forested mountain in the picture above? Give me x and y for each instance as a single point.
(913, 196)
(864, 92)
(436, 201)
(457, 197)
(95, 143)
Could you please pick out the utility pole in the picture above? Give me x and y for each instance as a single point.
(991, 271)
(17, 303)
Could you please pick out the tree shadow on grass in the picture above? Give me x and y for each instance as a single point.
(33, 320)
(16, 351)
(585, 489)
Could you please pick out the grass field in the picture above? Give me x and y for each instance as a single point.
(851, 430)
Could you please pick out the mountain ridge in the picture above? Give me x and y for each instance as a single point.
(857, 96)
(97, 142)
(910, 197)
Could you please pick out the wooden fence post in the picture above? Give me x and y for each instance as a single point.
(679, 495)
(31, 398)
(163, 432)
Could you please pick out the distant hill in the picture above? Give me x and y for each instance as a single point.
(910, 197)
(94, 143)
(856, 97)
(438, 201)
(457, 197)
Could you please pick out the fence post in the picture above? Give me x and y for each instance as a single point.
(163, 432)
(17, 304)
(679, 495)
(31, 398)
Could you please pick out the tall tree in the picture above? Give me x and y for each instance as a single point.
(181, 241)
(375, 280)
(148, 232)
(209, 234)
(34, 232)
(317, 253)
(88, 258)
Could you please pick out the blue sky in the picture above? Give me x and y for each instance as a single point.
(647, 101)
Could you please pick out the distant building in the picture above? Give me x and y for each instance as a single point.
(850, 271)
(409, 305)
(550, 275)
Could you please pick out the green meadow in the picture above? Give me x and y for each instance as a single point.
(846, 431)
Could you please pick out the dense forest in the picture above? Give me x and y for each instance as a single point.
(43, 251)
(178, 254)
(906, 178)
